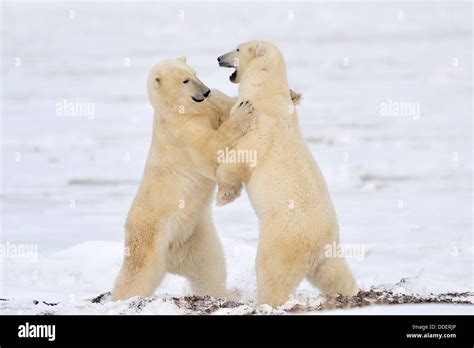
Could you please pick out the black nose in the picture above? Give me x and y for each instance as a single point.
(219, 59)
(207, 93)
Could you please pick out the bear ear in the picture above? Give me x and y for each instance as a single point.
(182, 58)
(259, 50)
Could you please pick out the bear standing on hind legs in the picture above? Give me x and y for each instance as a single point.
(286, 187)
(169, 227)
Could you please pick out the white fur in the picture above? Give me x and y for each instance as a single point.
(286, 188)
(169, 226)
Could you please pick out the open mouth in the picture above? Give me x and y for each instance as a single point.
(224, 64)
(233, 76)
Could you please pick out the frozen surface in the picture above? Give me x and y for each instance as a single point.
(401, 184)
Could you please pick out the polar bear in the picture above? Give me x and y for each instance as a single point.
(286, 187)
(169, 226)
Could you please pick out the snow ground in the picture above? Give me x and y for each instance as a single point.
(167, 305)
(401, 185)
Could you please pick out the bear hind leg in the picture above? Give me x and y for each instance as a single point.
(201, 260)
(142, 270)
(333, 276)
(279, 271)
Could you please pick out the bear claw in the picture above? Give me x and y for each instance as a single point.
(227, 195)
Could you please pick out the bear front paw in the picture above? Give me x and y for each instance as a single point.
(227, 194)
(246, 106)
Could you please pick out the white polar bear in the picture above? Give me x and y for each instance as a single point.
(169, 226)
(286, 187)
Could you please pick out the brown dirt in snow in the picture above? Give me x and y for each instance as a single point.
(101, 298)
(373, 297)
(203, 305)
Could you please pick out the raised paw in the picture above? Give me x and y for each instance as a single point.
(227, 194)
(247, 106)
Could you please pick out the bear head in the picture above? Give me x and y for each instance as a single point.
(250, 54)
(173, 85)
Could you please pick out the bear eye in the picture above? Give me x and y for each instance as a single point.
(238, 50)
(157, 79)
(186, 81)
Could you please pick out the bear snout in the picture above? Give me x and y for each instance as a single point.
(223, 63)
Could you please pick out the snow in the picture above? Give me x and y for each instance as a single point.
(401, 185)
